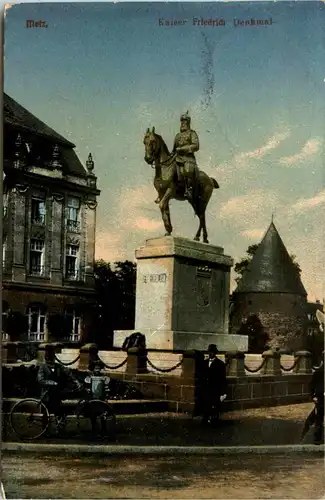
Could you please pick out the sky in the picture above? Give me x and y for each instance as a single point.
(100, 74)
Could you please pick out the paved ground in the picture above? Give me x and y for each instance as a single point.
(244, 476)
(261, 426)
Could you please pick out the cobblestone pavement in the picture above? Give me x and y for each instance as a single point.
(242, 476)
(260, 426)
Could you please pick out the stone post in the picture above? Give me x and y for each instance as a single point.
(304, 364)
(272, 364)
(191, 380)
(192, 366)
(42, 349)
(136, 361)
(88, 354)
(236, 364)
(9, 352)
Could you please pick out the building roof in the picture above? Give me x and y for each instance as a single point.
(21, 119)
(271, 268)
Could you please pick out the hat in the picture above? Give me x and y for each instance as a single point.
(213, 348)
(185, 117)
(96, 364)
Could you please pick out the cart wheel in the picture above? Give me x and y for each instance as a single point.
(29, 419)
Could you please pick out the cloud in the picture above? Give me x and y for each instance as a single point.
(136, 218)
(146, 224)
(253, 234)
(311, 147)
(310, 255)
(309, 203)
(241, 160)
(136, 209)
(251, 206)
(271, 144)
(109, 246)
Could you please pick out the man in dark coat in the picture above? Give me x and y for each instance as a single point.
(316, 417)
(215, 386)
(53, 379)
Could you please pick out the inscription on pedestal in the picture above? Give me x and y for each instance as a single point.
(155, 278)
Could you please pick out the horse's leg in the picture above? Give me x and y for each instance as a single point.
(197, 207)
(205, 232)
(165, 213)
(198, 234)
(206, 199)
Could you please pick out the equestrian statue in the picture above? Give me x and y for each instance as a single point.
(177, 175)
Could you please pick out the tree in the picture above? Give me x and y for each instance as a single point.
(115, 302)
(257, 336)
(241, 266)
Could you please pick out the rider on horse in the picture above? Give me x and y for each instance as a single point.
(185, 145)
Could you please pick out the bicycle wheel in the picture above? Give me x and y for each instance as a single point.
(95, 418)
(29, 418)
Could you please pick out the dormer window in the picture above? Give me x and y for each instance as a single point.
(38, 211)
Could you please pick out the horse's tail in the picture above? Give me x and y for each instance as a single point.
(214, 182)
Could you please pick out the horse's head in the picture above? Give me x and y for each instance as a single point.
(151, 145)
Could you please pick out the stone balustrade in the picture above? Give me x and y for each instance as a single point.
(238, 363)
(235, 364)
(177, 377)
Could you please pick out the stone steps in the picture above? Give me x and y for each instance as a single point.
(120, 407)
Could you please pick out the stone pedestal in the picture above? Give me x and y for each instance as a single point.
(182, 296)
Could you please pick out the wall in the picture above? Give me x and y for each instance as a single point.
(282, 315)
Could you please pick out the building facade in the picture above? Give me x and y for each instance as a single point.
(272, 292)
(49, 222)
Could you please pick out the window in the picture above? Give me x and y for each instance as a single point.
(36, 323)
(5, 203)
(4, 251)
(73, 208)
(73, 325)
(5, 312)
(36, 258)
(38, 211)
(71, 262)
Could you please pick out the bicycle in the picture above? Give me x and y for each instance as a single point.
(30, 418)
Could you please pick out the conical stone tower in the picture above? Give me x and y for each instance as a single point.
(271, 289)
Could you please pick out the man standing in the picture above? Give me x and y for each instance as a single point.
(53, 379)
(185, 145)
(215, 386)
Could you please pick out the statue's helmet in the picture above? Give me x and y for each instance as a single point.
(186, 117)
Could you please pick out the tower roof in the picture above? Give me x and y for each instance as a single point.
(271, 268)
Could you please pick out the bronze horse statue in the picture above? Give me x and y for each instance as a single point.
(168, 186)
